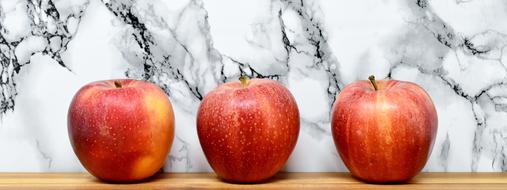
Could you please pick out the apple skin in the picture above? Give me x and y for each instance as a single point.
(121, 134)
(248, 132)
(384, 135)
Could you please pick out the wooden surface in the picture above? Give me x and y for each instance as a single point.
(281, 181)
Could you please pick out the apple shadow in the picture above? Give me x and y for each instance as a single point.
(272, 179)
(153, 178)
(401, 182)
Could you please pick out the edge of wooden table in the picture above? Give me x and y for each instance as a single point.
(280, 181)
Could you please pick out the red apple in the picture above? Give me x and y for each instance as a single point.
(384, 130)
(121, 130)
(248, 129)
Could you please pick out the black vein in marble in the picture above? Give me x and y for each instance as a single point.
(249, 71)
(314, 32)
(10, 67)
(153, 66)
(41, 14)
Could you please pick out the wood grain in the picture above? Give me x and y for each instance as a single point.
(281, 181)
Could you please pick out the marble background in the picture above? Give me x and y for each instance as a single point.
(455, 49)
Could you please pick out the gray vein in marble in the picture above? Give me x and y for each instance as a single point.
(183, 154)
(444, 152)
(462, 1)
(316, 129)
(499, 157)
(44, 155)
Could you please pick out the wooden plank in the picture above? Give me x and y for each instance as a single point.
(281, 181)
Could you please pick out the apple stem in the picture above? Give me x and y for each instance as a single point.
(117, 84)
(373, 82)
(244, 80)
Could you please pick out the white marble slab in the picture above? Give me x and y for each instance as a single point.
(455, 49)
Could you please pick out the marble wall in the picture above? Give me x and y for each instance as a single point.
(455, 49)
